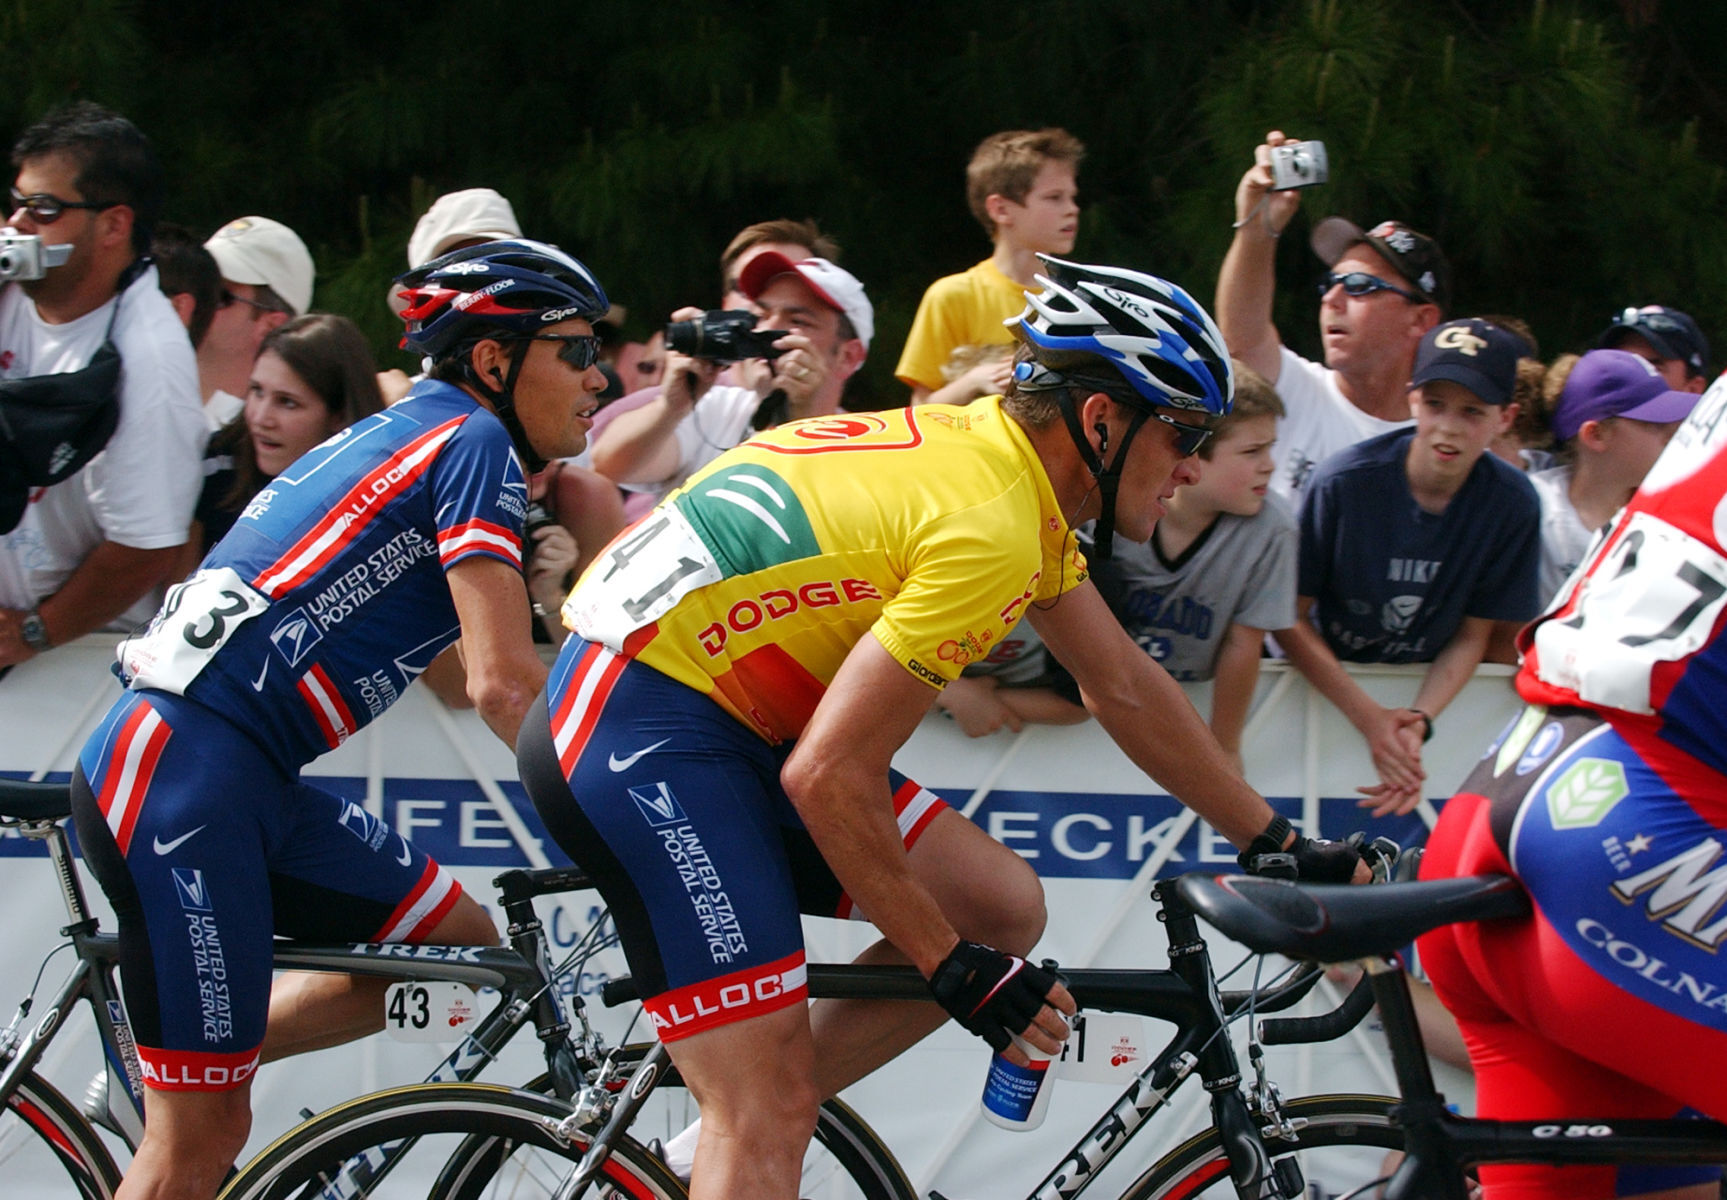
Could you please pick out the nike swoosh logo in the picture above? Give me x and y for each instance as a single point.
(162, 847)
(258, 683)
(407, 855)
(624, 764)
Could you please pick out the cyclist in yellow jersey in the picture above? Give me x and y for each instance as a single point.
(716, 739)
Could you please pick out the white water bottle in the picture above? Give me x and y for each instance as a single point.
(1016, 1097)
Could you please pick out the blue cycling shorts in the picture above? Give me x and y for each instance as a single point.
(676, 810)
(207, 850)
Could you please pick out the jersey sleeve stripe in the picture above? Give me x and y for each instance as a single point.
(477, 536)
(347, 516)
(141, 744)
(327, 706)
(423, 907)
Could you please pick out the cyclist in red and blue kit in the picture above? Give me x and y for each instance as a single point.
(336, 587)
(1608, 799)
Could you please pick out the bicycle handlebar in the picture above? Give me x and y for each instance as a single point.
(1325, 1027)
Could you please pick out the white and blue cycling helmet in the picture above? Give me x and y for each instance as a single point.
(1139, 339)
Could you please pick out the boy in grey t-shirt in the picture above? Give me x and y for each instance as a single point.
(1219, 570)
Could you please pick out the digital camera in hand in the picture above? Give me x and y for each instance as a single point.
(723, 335)
(1298, 165)
(536, 519)
(23, 256)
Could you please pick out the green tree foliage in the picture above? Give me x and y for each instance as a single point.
(1568, 155)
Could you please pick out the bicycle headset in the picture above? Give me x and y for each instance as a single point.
(1141, 340)
(505, 290)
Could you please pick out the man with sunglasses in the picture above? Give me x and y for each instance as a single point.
(266, 282)
(92, 550)
(1666, 337)
(330, 595)
(716, 739)
(1385, 287)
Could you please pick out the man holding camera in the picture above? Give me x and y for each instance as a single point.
(818, 323)
(91, 547)
(1386, 287)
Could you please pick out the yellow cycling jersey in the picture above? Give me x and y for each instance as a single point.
(931, 528)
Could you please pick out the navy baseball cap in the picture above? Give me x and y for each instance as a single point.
(1415, 256)
(1616, 383)
(1476, 354)
(1673, 334)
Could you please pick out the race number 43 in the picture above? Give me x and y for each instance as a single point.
(439, 1011)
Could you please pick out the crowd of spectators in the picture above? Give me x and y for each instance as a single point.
(1414, 497)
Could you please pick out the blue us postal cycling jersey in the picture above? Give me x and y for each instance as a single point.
(328, 598)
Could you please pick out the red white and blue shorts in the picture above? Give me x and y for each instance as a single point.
(207, 850)
(676, 810)
(1610, 1001)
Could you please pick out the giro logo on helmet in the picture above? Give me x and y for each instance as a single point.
(467, 268)
(561, 314)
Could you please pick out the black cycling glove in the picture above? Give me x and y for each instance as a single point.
(992, 994)
(1313, 860)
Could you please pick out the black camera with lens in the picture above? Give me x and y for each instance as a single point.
(723, 335)
(534, 520)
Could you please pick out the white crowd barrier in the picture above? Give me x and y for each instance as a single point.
(1096, 829)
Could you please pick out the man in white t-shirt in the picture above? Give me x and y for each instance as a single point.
(1387, 286)
(827, 322)
(266, 281)
(94, 549)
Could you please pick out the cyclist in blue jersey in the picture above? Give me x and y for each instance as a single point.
(335, 588)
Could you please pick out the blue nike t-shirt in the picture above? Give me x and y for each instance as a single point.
(1393, 582)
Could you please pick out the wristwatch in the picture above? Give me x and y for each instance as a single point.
(34, 633)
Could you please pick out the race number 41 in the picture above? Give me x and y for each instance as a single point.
(429, 1012)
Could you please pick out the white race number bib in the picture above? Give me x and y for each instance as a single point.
(196, 620)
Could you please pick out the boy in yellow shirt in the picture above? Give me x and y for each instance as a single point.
(1021, 188)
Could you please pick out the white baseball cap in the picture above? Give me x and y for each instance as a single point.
(265, 253)
(477, 213)
(836, 286)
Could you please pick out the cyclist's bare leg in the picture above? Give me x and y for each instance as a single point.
(755, 1083)
(310, 1010)
(190, 1141)
(987, 892)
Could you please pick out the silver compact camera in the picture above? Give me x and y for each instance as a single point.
(23, 256)
(1298, 165)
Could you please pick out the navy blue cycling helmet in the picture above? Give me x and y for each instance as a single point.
(1139, 339)
(505, 290)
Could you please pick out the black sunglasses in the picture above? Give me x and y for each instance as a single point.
(1360, 283)
(1634, 319)
(580, 350)
(1188, 438)
(45, 209)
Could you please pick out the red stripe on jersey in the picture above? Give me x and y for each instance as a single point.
(195, 1070)
(579, 708)
(328, 708)
(711, 1003)
(346, 517)
(459, 540)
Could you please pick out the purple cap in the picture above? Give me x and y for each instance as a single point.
(1616, 383)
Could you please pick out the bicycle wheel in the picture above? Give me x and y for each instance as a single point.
(845, 1161)
(401, 1143)
(44, 1140)
(1341, 1147)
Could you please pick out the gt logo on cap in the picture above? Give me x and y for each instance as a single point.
(1458, 337)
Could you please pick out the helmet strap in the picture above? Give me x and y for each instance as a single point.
(1108, 476)
(504, 403)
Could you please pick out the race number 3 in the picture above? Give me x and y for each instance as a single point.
(640, 578)
(439, 1011)
(197, 619)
